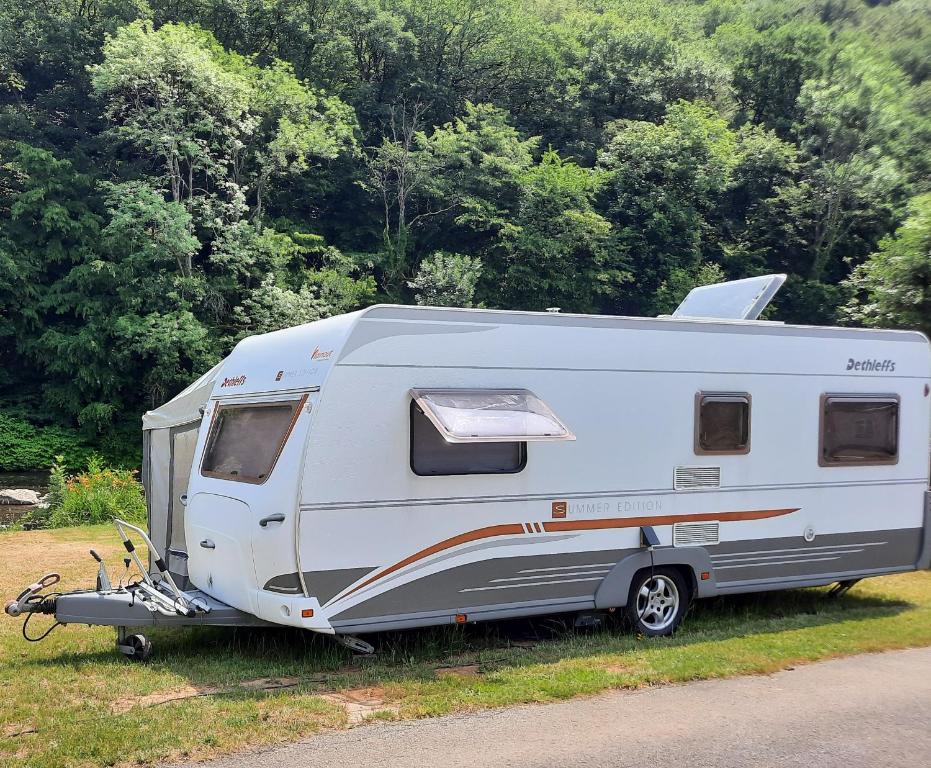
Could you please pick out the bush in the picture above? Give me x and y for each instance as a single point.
(25, 447)
(95, 496)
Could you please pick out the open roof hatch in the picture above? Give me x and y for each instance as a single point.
(734, 300)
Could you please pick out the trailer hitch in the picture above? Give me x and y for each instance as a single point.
(26, 601)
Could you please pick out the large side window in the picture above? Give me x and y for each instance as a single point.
(859, 429)
(432, 454)
(722, 423)
(246, 439)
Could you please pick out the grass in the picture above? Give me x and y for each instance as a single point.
(72, 701)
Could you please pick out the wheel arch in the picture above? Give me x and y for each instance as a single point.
(691, 561)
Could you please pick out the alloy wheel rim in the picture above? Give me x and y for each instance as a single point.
(657, 603)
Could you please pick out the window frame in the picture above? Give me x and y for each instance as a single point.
(861, 397)
(415, 408)
(700, 398)
(220, 406)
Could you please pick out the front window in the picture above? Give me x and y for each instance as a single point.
(245, 440)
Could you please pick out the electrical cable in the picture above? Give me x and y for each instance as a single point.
(47, 606)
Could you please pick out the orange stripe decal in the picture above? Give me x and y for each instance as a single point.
(515, 529)
(636, 522)
(509, 529)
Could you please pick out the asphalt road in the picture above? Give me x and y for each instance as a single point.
(858, 712)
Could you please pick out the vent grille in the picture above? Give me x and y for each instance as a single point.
(695, 534)
(686, 478)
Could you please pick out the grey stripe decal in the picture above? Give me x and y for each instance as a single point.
(431, 501)
(491, 544)
(549, 576)
(509, 317)
(532, 584)
(804, 549)
(761, 560)
(567, 567)
(432, 366)
(778, 562)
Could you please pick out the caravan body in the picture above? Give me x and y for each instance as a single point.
(408, 466)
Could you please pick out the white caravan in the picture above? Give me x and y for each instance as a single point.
(409, 466)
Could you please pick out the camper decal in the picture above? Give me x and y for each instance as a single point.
(516, 529)
(880, 366)
(236, 381)
(317, 354)
(559, 509)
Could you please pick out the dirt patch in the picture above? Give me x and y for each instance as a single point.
(360, 703)
(191, 691)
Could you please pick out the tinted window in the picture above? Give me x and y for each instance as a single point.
(859, 430)
(245, 440)
(432, 455)
(723, 423)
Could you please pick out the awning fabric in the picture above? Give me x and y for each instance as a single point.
(490, 415)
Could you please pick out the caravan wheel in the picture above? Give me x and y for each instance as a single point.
(657, 602)
(141, 647)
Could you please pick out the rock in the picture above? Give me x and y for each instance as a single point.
(19, 496)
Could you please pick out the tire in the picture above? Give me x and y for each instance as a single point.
(142, 647)
(657, 602)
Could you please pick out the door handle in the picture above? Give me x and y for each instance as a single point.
(276, 518)
(183, 499)
(207, 544)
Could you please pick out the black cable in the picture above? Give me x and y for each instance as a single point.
(44, 634)
(642, 613)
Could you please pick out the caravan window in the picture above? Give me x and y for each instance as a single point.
(431, 454)
(245, 440)
(478, 431)
(722, 423)
(859, 429)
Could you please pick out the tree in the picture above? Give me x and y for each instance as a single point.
(893, 287)
(446, 280)
(558, 252)
(665, 181)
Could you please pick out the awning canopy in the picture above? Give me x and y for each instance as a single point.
(490, 415)
(184, 407)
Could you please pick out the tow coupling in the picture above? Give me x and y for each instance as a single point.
(31, 601)
(133, 604)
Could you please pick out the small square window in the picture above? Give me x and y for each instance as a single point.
(859, 430)
(722, 423)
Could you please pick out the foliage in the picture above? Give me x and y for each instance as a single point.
(95, 496)
(894, 285)
(446, 280)
(175, 175)
(24, 446)
(680, 281)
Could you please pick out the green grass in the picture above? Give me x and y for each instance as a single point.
(74, 702)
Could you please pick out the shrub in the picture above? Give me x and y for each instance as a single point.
(95, 496)
(25, 447)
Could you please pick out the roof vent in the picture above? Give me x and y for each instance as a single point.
(696, 534)
(689, 478)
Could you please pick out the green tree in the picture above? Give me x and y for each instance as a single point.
(446, 280)
(893, 287)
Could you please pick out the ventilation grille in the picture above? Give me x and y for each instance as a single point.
(686, 478)
(695, 534)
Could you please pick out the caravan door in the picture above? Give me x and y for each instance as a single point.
(242, 520)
